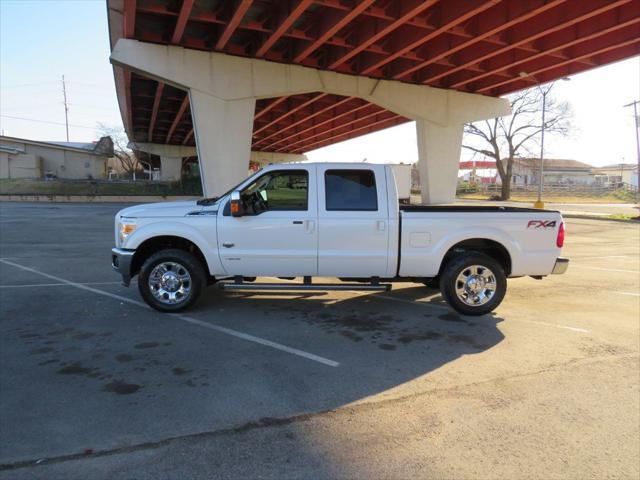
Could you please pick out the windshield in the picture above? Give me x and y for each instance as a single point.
(212, 200)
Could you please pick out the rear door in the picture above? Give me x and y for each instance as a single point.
(280, 236)
(353, 230)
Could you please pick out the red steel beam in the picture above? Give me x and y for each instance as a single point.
(154, 111)
(635, 39)
(176, 120)
(233, 23)
(379, 111)
(269, 107)
(303, 120)
(408, 11)
(604, 58)
(183, 17)
(255, 26)
(456, 20)
(290, 112)
(285, 25)
(541, 31)
(188, 136)
(317, 125)
(332, 29)
(562, 46)
(334, 139)
(129, 18)
(493, 25)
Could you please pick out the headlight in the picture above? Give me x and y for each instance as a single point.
(126, 227)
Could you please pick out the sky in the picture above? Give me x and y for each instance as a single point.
(41, 40)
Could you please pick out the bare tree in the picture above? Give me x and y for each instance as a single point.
(125, 157)
(505, 138)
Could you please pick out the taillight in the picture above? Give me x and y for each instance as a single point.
(560, 238)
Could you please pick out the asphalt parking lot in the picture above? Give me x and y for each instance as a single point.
(93, 384)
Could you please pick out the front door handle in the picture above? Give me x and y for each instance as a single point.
(380, 225)
(228, 245)
(309, 226)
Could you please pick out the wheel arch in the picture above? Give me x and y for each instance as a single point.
(490, 247)
(161, 242)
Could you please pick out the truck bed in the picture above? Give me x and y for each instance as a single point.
(469, 208)
(427, 233)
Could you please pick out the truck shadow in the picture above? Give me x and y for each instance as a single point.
(382, 344)
(381, 340)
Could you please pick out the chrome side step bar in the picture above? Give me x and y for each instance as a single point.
(307, 285)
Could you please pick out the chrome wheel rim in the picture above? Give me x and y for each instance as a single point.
(170, 283)
(476, 285)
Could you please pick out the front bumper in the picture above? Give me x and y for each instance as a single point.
(561, 266)
(121, 263)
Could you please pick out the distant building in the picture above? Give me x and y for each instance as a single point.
(526, 171)
(22, 158)
(620, 173)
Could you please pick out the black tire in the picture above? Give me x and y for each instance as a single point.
(193, 266)
(458, 264)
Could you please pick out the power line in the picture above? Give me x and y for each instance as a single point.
(28, 85)
(46, 121)
(66, 107)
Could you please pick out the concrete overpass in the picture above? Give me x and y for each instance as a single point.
(280, 77)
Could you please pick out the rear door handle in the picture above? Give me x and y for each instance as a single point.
(228, 245)
(381, 225)
(298, 222)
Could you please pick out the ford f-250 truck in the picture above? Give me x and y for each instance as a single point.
(331, 220)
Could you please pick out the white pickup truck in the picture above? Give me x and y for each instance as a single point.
(331, 220)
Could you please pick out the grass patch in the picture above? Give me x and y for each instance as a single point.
(616, 196)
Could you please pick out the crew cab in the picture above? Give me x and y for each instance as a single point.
(341, 220)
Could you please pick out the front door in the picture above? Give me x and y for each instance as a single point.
(353, 225)
(278, 233)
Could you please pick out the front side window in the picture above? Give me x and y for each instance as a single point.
(350, 190)
(277, 190)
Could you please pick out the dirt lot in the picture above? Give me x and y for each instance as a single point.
(331, 385)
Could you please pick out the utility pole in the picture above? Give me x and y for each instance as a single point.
(66, 107)
(635, 104)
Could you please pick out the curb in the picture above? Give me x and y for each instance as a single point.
(92, 198)
(601, 217)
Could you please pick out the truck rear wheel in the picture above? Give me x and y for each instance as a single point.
(171, 280)
(473, 283)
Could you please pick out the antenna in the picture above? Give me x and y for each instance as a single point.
(66, 107)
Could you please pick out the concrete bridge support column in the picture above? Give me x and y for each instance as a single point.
(222, 129)
(438, 159)
(170, 168)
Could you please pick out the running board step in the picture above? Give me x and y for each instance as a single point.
(382, 287)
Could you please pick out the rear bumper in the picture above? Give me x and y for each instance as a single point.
(561, 266)
(121, 263)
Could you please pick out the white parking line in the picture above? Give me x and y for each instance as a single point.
(211, 326)
(606, 256)
(605, 269)
(56, 284)
(440, 307)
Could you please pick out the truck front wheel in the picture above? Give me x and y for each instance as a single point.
(473, 283)
(171, 280)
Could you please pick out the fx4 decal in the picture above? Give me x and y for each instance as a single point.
(541, 224)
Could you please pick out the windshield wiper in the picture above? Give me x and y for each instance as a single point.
(207, 201)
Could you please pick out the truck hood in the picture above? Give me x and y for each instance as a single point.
(164, 209)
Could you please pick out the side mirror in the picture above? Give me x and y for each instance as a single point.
(236, 204)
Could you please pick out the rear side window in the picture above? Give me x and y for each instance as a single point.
(350, 190)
